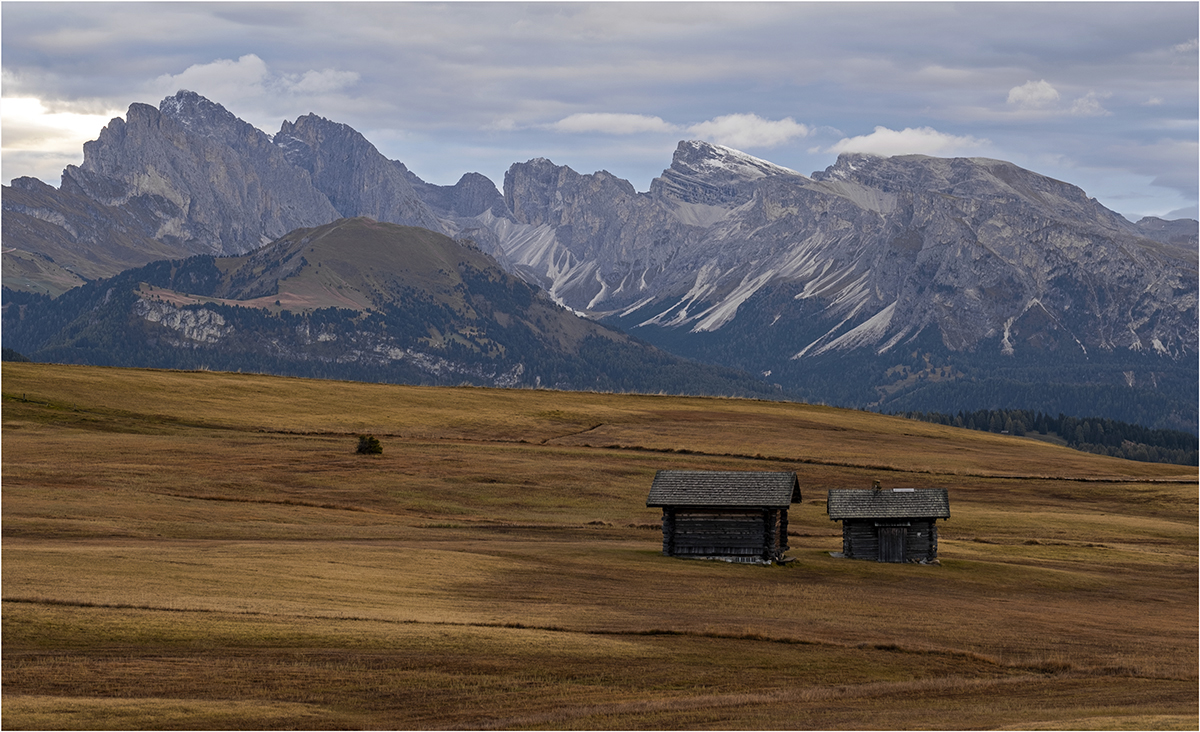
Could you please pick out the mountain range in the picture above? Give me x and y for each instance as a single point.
(893, 283)
(353, 299)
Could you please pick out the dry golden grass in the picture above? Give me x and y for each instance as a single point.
(201, 550)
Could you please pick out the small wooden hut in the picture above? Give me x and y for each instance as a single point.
(735, 516)
(897, 525)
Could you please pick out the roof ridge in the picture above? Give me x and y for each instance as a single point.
(732, 488)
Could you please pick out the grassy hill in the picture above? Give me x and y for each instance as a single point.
(191, 549)
(354, 299)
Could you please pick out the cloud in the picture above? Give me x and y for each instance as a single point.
(612, 123)
(748, 131)
(251, 89)
(250, 76)
(1187, 212)
(450, 80)
(40, 139)
(222, 79)
(503, 124)
(1089, 106)
(734, 130)
(909, 141)
(1040, 98)
(318, 82)
(1033, 95)
(29, 124)
(1172, 163)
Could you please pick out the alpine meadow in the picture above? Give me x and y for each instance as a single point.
(209, 550)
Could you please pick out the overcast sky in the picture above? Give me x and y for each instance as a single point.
(1102, 95)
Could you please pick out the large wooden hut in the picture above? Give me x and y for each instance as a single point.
(897, 525)
(735, 516)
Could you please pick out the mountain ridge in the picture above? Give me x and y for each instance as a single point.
(972, 270)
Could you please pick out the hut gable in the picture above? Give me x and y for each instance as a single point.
(898, 525)
(735, 516)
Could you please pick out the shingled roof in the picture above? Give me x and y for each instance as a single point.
(751, 489)
(896, 503)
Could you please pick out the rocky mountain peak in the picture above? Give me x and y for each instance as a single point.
(699, 156)
(356, 178)
(316, 126)
(1180, 232)
(996, 182)
(846, 166)
(301, 139)
(715, 175)
(200, 115)
(538, 191)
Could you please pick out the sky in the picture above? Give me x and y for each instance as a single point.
(1100, 95)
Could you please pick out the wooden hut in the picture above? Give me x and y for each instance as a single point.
(897, 525)
(735, 516)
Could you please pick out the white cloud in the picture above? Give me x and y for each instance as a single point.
(30, 125)
(504, 124)
(748, 131)
(261, 95)
(223, 79)
(319, 82)
(1033, 95)
(612, 123)
(1089, 106)
(734, 130)
(41, 140)
(250, 78)
(1035, 99)
(909, 141)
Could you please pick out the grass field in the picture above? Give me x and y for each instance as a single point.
(207, 551)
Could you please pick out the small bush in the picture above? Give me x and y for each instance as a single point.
(368, 445)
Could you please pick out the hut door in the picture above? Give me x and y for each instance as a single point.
(891, 543)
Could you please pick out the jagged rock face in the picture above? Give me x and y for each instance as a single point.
(733, 260)
(998, 257)
(370, 185)
(591, 240)
(191, 178)
(988, 254)
(215, 183)
(78, 238)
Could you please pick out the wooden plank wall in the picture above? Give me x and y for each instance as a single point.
(923, 546)
(860, 540)
(723, 532)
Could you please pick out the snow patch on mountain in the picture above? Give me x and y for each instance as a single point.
(718, 157)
